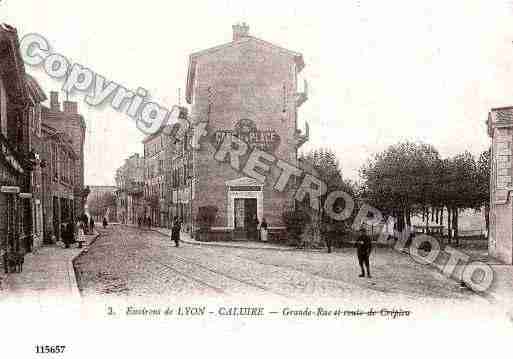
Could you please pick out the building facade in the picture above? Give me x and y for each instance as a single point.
(500, 129)
(166, 159)
(37, 96)
(62, 152)
(20, 98)
(58, 181)
(247, 88)
(129, 190)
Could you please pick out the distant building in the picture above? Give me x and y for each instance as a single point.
(101, 202)
(500, 129)
(130, 187)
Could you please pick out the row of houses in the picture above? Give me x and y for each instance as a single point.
(248, 88)
(41, 156)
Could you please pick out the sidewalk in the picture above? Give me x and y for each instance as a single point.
(186, 238)
(48, 278)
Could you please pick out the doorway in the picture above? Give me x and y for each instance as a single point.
(245, 216)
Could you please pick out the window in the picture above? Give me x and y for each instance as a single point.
(504, 164)
(62, 164)
(54, 162)
(38, 119)
(72, 179)
(3, 108)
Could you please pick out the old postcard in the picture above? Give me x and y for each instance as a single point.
(250, 178)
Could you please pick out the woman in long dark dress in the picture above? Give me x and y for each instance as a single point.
(263, 230)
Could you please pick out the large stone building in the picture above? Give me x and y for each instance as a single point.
(67, 120)
(248, 88)
(165, 178)
(36, 139)
(129, 193)
(58, 180)
(500, 129)
(20, 98)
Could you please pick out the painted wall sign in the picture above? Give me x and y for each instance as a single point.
(247, 131)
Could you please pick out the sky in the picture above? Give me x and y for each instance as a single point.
(378, 72)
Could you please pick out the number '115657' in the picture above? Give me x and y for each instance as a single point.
(50, 349)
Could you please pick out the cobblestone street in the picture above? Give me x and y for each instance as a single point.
(127, 262)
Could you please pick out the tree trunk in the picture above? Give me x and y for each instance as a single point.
(487, 219)
(455, 226)
(427, 219)
(449, 225)
(400, 221)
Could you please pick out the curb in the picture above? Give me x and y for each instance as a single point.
(75, 292)
(71, 268)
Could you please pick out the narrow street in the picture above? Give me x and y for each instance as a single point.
(131, 262)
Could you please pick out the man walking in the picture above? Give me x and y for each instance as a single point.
(363, 249)
(175, 231)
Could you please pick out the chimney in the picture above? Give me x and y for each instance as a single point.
(54, 101)
(70, 107)
(240, 31)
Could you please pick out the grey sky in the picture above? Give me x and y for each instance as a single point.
(379, 72)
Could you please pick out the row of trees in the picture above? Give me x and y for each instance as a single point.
(411, 178)
(326, 166)
(406, 179)
(98, 204)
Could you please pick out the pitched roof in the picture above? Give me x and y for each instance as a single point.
(34, 90)
(298, 57)
(11, 65)
(243, 182)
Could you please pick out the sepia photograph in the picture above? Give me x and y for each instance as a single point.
(246, 178)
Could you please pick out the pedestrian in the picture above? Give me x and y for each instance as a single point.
(105, 223)
(363, 250)
(148, 222)
(175, 231)
(329, 236)
(263, 230)
(80, 233)
(92, 224)
(66, 235)
(139, 220)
